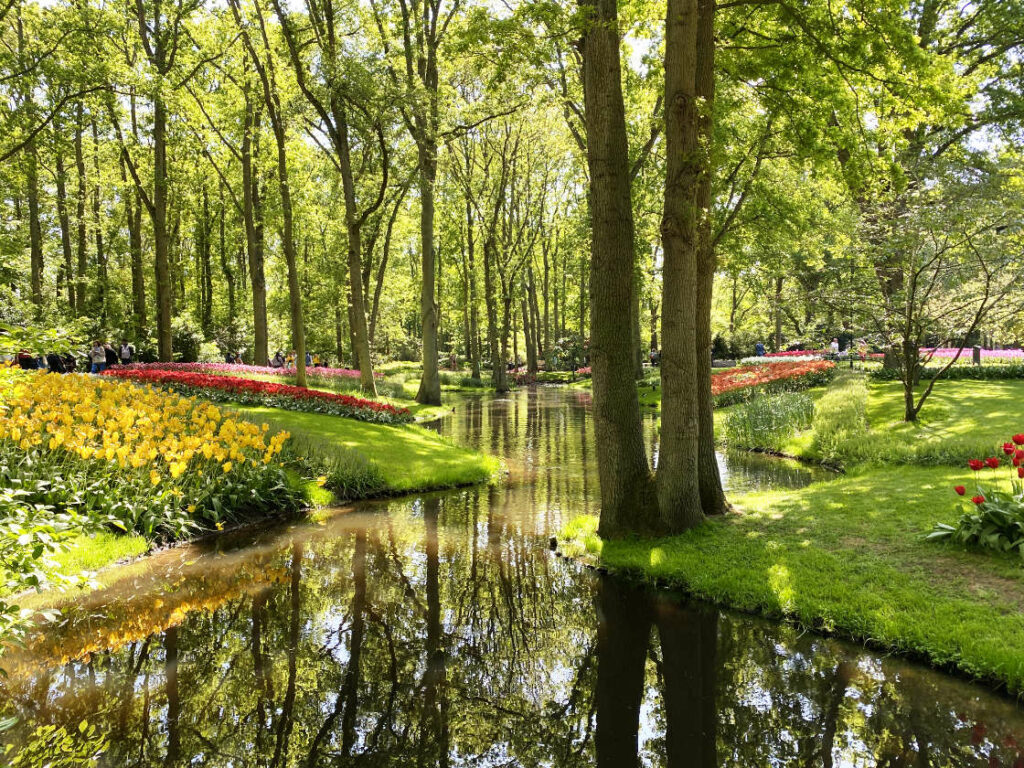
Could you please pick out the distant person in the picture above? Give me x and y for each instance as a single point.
(655, 358)
(26, 361)
(55, 363)
(317, 361)
(111, 355)
(309, 359)
(862, 349)
(833, 348)
(278, 361)
(290, 360)
(229, 357)
(97, 358)
(126, 353)
(759, 349)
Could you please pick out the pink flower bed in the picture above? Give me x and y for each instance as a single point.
(243, 370)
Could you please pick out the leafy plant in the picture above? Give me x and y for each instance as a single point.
(839, 415)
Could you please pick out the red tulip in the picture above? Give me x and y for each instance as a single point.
(1019, 438)
(1016, 461)
(1020, 472)
(976, 464)
(992, 461)
(1019, 454)
(960, 490)
(978, 499)
(1008, 448)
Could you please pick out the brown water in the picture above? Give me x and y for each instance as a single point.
(440, 631)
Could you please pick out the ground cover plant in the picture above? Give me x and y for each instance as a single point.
(220, 388)
(768, 422)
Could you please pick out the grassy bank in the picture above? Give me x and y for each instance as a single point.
(409, 458)
(848, 556)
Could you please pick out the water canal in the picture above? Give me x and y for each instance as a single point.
(440, 631)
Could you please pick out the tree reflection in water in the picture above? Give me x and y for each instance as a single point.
(440, 631)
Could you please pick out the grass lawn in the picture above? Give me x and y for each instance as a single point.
(410, 458)
(847, 556)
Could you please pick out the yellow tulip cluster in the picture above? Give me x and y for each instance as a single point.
(151, 431)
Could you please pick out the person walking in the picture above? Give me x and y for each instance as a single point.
(759, 349)
(97, 358)
(127, 352)
(833, 348)
(278, 361)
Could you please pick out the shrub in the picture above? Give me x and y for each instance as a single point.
(839, 415)
(768, 422)
(993, 518)
(470, 382)
(986, 372)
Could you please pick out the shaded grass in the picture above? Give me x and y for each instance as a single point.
(848, 557)
(410, 458)
(90, 553)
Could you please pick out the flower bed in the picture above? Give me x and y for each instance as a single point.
(986, 354)
(735, 385)
(249, 370)
(223, 388)
(151, 461)
(798, 353)
(994, 518)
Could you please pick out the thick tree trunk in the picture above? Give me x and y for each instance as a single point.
(712, 495)
(678, 479)
(161, 239)
(499, 379)
(634, 328)
(64, 220)
(430, 383)
(205, 249)
(627, 502)
(288, 244)
(133, 213)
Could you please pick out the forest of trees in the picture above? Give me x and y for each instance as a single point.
(550, 183)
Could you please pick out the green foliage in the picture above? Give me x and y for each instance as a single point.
(839, 416)
(986, 372)
(768, 422)
(52, 746)
(187, 338)
(40, 340)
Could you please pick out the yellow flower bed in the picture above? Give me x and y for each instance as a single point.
(138, 457)
(135, 427)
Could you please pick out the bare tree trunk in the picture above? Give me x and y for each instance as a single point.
(430, 384)
(225, 262)
(777, 306)
(81, 265)
(627, 501)
(499, 379)
(35, 230)
(252, 213)
(133, 212)
(65, 231)
(678, 478)
(102, 278)
(161, 240)
(712, 496)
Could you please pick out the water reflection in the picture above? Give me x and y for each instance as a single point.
(438, 631)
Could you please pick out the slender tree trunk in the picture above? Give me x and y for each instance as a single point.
(627, 503)
(547, 306)
(133, 214)
(777, 305)
(382, 270)
(712, 495)
(35, 230)
(474, 318)
(205, 247)
(65, 231)
(252, 213)
(499, 377)
(353, 225)
(81, 266)
(225, 262)
(102, 278)
(531, 349)
(430, 384)
(678, 477)
(161, 239)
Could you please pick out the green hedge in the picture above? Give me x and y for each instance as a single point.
(958, 372)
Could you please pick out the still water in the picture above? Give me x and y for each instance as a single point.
(440, 631)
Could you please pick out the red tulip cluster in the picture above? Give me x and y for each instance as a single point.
(1011, 450)
(251, 392)
(755, 375)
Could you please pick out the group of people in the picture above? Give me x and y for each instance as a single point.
(280, 360)
(102, 355)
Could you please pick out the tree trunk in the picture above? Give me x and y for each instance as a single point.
(627, 503)
(777, 305)
(81, 266)
(65, 231)
(531, 349)
(498, 372)
(133, 213)
(252, 213)
(102, 278)
(430, 384)
(225, 262)
(161, 240)
(205, 248)
(382, 270)
(35, 230)
(474, 318)
(353, 225)
(678, 479)
(712, 496)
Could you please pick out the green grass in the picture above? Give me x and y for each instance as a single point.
(847, 556)
(409, 457)
(90, 553)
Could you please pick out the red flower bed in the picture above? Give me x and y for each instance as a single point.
(251, 392)
(797, 353)
(735, 385)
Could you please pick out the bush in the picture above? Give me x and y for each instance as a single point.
(186, 339)
(986, 372)
(768, 422)
(469, 382)
(839, 415)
